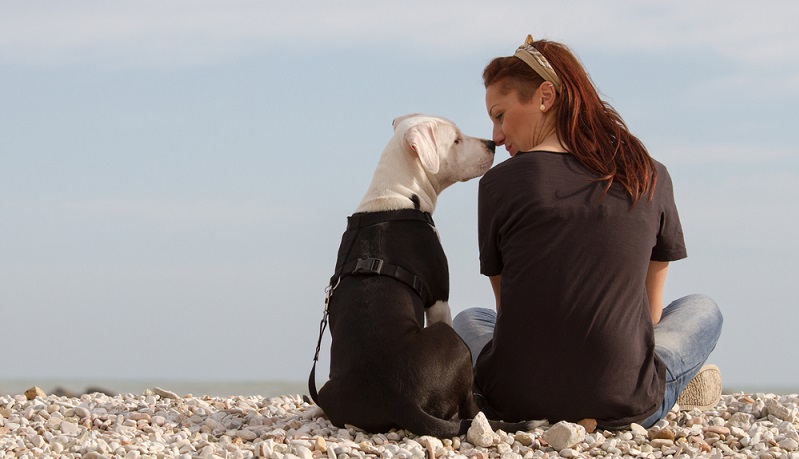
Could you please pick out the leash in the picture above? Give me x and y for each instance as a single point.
(322, 326)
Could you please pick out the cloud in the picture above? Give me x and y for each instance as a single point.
(157, 32)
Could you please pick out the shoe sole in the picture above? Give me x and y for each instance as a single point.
(703, 391)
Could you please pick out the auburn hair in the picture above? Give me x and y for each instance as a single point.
(587, 126)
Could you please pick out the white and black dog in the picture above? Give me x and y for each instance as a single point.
(387, 369)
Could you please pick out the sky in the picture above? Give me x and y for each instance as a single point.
(175, 176)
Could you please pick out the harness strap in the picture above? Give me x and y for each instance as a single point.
(364, 219)
(377, 266)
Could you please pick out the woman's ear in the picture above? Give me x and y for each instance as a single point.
(548, 95)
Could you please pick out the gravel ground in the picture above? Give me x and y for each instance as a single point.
(159, 424)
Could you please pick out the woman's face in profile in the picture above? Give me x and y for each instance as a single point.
(515, 122)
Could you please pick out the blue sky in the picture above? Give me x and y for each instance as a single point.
(175, 176)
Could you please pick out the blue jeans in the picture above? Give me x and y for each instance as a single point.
(684, 338)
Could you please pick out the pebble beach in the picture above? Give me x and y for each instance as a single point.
(159, 423)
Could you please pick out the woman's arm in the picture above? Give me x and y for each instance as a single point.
(495, 283)
(655, 281)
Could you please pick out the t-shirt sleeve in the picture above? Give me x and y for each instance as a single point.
(488, 232)
(670, 244)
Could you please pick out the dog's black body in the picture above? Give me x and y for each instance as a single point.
(387, 370)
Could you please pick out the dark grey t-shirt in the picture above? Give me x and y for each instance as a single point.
(574, 337)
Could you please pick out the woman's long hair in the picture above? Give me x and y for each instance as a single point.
(587, 126)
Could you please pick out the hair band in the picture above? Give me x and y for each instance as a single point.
(538, 62)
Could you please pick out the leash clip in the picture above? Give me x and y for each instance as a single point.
(328, 293)
(323, 323)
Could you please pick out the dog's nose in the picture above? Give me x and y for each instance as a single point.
(490, 145)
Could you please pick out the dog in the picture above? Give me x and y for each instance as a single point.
(387, 369)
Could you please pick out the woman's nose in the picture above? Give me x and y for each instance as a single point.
(498, 136)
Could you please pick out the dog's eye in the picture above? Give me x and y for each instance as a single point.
(458, 141)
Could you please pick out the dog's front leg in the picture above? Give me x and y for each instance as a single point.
(439, 312)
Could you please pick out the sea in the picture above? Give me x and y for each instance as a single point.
(267, 389)
(75, 387)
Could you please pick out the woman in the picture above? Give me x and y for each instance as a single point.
(576, 232)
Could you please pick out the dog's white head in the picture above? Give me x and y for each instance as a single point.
(443, 150)
(425, 155)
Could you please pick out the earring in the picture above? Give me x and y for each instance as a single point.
(543, 107)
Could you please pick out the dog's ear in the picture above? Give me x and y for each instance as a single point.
(422, 140)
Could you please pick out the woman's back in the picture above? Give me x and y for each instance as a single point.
(573, 261)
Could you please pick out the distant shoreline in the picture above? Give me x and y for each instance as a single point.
(265, 388)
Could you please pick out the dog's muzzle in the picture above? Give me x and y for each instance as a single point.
(490, 145)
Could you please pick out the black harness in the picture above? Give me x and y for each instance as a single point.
(370, 267)
(379, 266)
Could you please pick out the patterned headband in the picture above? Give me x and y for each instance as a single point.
(538, 62)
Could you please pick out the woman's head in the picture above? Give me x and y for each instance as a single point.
(522, 117)
(555, 84)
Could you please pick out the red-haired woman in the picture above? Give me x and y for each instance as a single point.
(576, 232)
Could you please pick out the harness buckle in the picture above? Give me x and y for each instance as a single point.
(368, 266)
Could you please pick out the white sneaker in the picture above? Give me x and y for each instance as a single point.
(703, 391)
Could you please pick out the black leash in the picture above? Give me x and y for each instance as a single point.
(322, 326)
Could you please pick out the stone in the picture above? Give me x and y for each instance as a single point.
(524, 438)
(69, 428)
(721, 430)
(564, 435)
(163, 393)
(664, 434)
(34, 392)
(246, 435)
(303, 452)
(480, 432)
(741, 420)
(589, 424)
(82, 412)
(776, 409)
(36, 440)
(788, 444)
(661, 443)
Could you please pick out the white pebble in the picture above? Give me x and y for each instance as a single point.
(480, 433)
(565, 435)
(788, 444)
(69, 428)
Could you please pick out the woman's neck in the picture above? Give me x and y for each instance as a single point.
(550, 143)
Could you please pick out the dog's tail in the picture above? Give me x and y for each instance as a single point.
(422, 423)
(511, 427)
